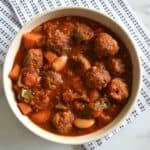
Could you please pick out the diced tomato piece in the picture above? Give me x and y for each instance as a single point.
(32, 40)
(14, 72)
(25, 108)
(41, 116)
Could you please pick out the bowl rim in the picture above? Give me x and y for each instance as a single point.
(82, 138)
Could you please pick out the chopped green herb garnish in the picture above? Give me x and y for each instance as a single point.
(86, 113)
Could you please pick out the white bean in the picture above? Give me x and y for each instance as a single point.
(84, 123)
(85, 62)
(60, 63)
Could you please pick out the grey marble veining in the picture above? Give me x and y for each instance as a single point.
(136, 136)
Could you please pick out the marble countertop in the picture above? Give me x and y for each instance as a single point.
(13, 136)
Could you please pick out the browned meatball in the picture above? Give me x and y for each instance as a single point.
(83, 32)
(34, 58)
(105, 45)
(80, 63)
(62, 121)
(116, 66)
(118, 90)
(30, 77)
(41, 99)
(97, 77)
(51, 80)
(59, 38)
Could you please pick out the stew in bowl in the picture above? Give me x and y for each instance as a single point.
(71, 76)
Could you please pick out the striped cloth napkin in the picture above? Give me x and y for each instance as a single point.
(14, 13)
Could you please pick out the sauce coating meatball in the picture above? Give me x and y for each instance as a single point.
(116, 66)
(118, 90)
(34, 58)
(80, 63)
(62, 121)
(51, 80)
(105, 45)
(83, 32)
(59, 36)
(30, 77)
(97, 77)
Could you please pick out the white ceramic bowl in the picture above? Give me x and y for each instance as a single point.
(93, 15)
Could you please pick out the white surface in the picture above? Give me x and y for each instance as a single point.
(13, 136)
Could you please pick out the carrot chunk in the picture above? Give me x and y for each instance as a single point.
(32, 40)
(41, 116)
(25, 108)
(14, 72)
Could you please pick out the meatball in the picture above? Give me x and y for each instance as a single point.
(83, 33)
(116, 66)
(118, 90)
(34, 58)
(80, 63)
(51, 80)
(62, 121)
(30, 77)
(105, 45)
(59, 39)
(41, 100)
(97, 77)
